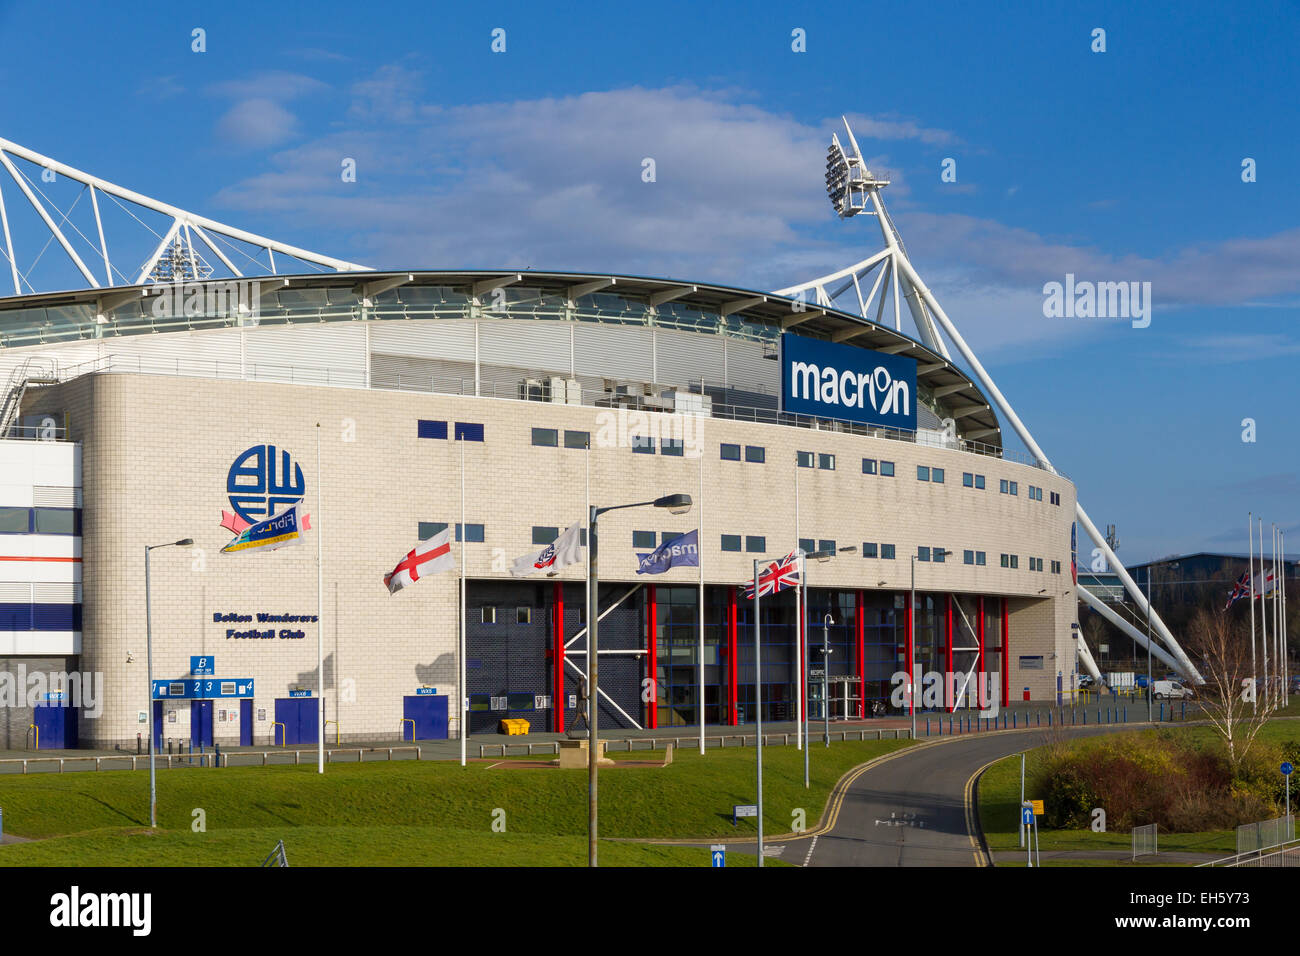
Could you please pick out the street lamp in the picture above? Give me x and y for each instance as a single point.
(911, 638)
(677, 505)
(148, 636)
(821, 557)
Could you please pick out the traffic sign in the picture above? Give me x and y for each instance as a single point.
(1027, 816)
(1287, 768)
(718, 853)
(1038, 807)
(202, 666)
(743, 810)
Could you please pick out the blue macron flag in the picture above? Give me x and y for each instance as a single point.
(683, 552)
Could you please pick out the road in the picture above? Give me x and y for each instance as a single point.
(911, 808)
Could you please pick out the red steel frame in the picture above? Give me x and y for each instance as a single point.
(557, 685)
(979, 671)
(652, 657)
(911, 681)
(731, 656)
(860, 614)
(947, 678)
(1006, 658)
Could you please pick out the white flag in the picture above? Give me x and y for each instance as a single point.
(566, 550)
(428, 557)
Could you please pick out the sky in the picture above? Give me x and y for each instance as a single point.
(1128, 164)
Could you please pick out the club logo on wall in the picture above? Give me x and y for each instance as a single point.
(260, 485)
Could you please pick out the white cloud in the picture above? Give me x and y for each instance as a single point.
(256, 124)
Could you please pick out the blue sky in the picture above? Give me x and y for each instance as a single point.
(1115, 166)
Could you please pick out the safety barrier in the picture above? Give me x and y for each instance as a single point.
(247, 758)
(401, 723)
(338, 737)
(284, 733)
(1144, 840)
(630, 744)
(33, 731)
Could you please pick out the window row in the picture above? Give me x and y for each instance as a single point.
(754, 453)
(464, 431)
(645, 445)
(550, 438)
(926, 473)
(807, 459)
(972, 480)
(40, 521)
(884, 468)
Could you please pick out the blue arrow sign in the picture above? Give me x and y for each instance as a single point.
(719, 855)
(1286, 769)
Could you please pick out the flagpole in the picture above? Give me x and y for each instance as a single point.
(758, 706)
(1277, 621)
(1250, 576)
(1286, 652)
(320, 619)
(1263, 621)
(798, 619)
(464, 696)
(699, 554)
(586, 596)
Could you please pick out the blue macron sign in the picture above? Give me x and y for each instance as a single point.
(828, 380)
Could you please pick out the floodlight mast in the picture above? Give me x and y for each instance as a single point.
(852, 189)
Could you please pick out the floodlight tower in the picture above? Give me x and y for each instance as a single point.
(853, 189)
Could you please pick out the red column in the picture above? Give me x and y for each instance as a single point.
(652, 658)
(732, 660)
(979, 635)
(947, 677)
(801, 668)
(911, 680)
(558, 699)
(1006, 657)
(860, 608)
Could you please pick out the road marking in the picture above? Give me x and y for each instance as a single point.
(811, 846)
(972, 825)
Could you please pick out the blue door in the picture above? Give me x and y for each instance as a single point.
(246, 722)
(56, 726)
(201, 723)
(298, 715)
(157, 726)
(429, 714)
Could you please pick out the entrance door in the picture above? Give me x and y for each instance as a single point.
(429, 714)
(201, 723)
(246, 722)
(157, 726)
(56, 724)
(298, 715)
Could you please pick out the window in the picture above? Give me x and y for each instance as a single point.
(869, 549)
(544, 535)
(1035, 493)
(1056, 497)
(576, 439)
(826, 462)
(523, 615)
(488, 614)
(15, 520)
(642, 444)
(979, 559)
(825, 545)
(968, 557)
(672, 446)
(429, 528)
(473, 533)
(1006, 560)
(1035, 564)
(1015, 490)
(755, 453)
(428, 429)
(936, 475)
(979, 481)
(922, 553)
(939, 554)
(731, 542)
(1008, 487)
(887, 469)
(1056, 567)
(668, 537)
(805, 459)
(967, 480)
(868, 466)
(1002, 486)
(808, 545)
(546, 437)
(731, 453)
(887, 552)
(643, 539)
(755, 544)
(922, 473)
(469, 431)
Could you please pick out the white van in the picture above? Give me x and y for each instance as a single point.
(1170, 688)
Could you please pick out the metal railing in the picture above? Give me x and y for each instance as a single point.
(214, 759)
(456, 385)
(1145, 840)
(1264, 835)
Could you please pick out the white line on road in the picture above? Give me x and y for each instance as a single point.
(811, 846)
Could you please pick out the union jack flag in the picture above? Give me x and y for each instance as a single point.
(1239, 590)
(777, 576)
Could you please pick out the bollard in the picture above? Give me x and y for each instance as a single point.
(927, 726)
(1162, 710)
(1184, 717)
(1126, 713)
(216, 760)
(137, 744)
(2, 824)
(1085, 718)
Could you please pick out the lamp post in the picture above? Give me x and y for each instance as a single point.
(827, 621)
(148, 639)
(678, 505)
(822, 557)
(911, 640)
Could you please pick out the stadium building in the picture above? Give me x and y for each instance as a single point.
(500, 404)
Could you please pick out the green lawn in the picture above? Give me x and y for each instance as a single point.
(999, 802)
(409, 813)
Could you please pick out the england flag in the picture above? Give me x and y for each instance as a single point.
(431, 556)
(566, 550)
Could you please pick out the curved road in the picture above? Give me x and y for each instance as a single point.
(910, 808)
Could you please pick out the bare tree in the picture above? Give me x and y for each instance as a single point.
(1229, 697)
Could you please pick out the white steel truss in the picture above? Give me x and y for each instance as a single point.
(174, 256)
(853, 189)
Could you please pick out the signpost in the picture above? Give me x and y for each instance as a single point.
(1030, 811)
(718, 854)
(1286, 774)
(743, 810)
